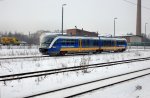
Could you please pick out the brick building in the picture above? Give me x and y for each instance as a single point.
(132, 38)
(81, 32)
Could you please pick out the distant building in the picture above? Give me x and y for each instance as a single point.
(132, 38)
(81, 32)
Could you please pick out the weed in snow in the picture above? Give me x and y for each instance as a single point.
(5, 68)
(137, 96)
(38, 65)
(137, 53)
(35, 59)
(85, 61)
(138, 87)
(63, 65)
(40, 79)
(4, 82)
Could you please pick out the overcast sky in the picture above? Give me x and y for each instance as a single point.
(91, 15)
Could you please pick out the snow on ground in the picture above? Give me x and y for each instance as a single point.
(138, 88)
(20, 88)
(12, 51)
(36, 64)
(95, 74)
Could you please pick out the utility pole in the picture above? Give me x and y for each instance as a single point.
(76, 30)
(62, 16)
(145, 31)
(115, 26)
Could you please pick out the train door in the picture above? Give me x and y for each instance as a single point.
(115, 45)
(80, 45)
(56, 46)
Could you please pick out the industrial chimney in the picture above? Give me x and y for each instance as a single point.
(138, 20)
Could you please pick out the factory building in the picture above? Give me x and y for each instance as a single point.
(81, 32)
(132, 38)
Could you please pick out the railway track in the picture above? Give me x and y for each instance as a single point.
(90, 86)
(78, 54)
(26, 57)
(67, 69)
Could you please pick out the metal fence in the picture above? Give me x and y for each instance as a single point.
(139, 44)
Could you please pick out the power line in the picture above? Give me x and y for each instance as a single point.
(130, 2)
(136, 4)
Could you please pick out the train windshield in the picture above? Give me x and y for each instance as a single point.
(47, 40)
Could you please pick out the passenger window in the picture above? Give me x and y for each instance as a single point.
(55, 44)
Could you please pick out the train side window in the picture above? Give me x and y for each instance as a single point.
(90, 43)
(55, 44)
(85, 43)
(112, 43)
(67, 42)
(73, 42)
(106, 43)
(63, 42)
(109, 43)
(120, 42)
(102, 42)
(95, 43)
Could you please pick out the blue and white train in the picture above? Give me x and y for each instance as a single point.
(61, 45)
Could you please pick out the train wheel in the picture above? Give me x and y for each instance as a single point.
(116, 51)
(97, 51)
(100, 51)
(122, 50)
(62, 53)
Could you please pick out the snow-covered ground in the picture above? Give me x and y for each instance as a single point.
(21, 88)
(138, 88)
(36, 64)
(12, 51)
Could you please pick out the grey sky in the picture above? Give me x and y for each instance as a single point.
(91, 15)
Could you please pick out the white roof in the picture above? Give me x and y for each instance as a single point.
(80, 37)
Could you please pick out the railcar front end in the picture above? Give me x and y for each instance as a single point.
(45, 45)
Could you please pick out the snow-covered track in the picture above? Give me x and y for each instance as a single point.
(67, 55)
(29, 57)
(23, 57)
(90, 86)
(66, 69)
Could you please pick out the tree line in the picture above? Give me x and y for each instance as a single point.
(31, 38)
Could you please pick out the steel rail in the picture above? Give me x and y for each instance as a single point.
(68, 55)
(112, 84)
(26, 57)
(67, 69)
(81, 84)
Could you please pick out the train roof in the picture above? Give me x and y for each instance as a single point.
(82, 37)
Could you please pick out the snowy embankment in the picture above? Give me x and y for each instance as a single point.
(36, 64)
(25, 87)
(21, 88)
(15, 51)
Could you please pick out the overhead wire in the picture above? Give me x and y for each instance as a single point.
(136, 4)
